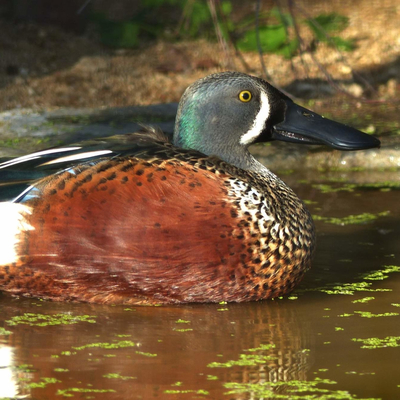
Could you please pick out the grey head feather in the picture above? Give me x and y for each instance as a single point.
(212, 119)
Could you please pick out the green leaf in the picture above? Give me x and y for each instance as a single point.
(119, 34)
(343, 44)
(323, 24)
(226, 7)
(284, 18)
(273, 39)
(332, 22)
(200, 15)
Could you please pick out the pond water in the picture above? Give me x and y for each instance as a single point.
(336, 337)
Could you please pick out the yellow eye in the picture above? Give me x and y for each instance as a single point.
(245, 96)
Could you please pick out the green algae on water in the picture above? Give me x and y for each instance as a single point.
(69, 392)
(43, 383)
(382, 274)
(351, 288)
(367, 314)
(299, 390)
(118, 376)
(106, 345)
(185, 391)
(25, 368)
(183, 330)
(146, 354)
(33, 319)
(351, 187)
(376, 343)
(363, 300)
(175, 391)
(351, 219)
(247, 359)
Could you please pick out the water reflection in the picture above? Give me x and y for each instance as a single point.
(150, 350)
(8, 377)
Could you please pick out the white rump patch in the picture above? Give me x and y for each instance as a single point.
(79, 156)
(259, 121)
(13, 224)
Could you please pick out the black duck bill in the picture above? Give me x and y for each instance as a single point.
(301, 125)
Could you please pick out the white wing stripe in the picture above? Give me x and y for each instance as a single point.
(33, 156)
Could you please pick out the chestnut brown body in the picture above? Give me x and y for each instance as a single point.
(168, 227)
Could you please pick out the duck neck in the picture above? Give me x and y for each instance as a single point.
(232, 153)
(235, 154)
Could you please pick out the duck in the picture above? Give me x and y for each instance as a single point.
(142, 219)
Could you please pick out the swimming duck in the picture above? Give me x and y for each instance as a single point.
(148, 221)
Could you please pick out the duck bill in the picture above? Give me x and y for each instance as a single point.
(304, 126)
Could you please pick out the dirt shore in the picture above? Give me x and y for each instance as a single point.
(44, 67)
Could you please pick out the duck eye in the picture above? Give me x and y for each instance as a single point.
(245, 96)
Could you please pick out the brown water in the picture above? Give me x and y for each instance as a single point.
(311, 345)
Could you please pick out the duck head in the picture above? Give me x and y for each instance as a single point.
(224, 113)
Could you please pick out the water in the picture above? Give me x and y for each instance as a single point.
(317, 342)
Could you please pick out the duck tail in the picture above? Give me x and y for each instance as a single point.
(13, 225)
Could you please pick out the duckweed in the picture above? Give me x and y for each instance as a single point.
(43, 383)
(247, 359)
(364, 300)
(299, 390)
(146, 354)
(309, 202)
(118, 376)
(175, 391)
(351, 288)
(118, 345)
(376, 343)
(25, 368)
(325, 188)
(4, 332)
(67, 392)
(33, 319)
(351, 219)
(350, 187)
(367, 314)
(183, 330)
(381, 274)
